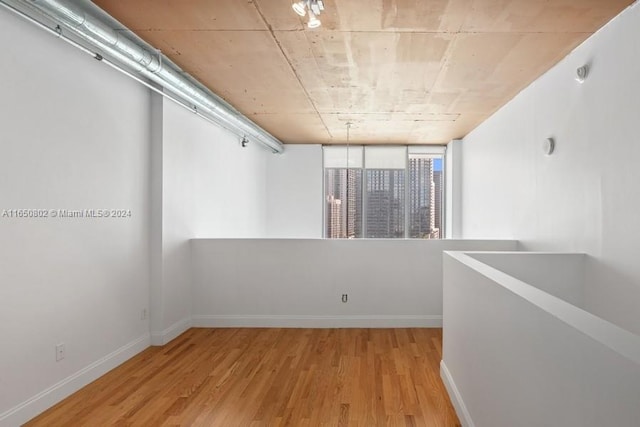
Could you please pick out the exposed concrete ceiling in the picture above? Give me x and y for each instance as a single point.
(403, 71)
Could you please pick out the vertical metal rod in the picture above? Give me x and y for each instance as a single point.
(347, 178)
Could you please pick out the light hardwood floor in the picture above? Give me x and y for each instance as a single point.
(260, 377)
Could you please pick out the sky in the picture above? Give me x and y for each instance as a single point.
(437, 165)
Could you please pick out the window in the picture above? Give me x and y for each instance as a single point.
(343, 192)
(383, 192)
(425, 196)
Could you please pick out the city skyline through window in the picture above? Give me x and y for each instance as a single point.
(386, 203)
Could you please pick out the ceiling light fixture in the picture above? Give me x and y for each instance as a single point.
(315, 8)
(314, 22)
(300, 8)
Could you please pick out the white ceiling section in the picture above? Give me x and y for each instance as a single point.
(402, 71)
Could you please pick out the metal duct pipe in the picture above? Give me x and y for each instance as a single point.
(153, 66)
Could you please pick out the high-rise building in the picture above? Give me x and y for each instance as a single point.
(385, 210)
(343, 189)
(385, 203)
(334, 218)
(420, 170)
(437, 205)
(432, 203)
(354, 203)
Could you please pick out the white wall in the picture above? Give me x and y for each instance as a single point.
(294, 205)
(299, 282)
(210, 186)
(230, 184)
(513, 355)
(74, 134)
(561, 275)
(453, 190)
(583, 198)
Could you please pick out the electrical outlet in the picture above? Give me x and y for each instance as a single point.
(345, 298)
(60, 352)
(144, 314)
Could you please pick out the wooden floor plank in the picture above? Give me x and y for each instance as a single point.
(270, 377)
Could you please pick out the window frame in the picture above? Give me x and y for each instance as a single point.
(437, 151)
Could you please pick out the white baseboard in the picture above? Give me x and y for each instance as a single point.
(172, 332)
(455, 396)
(300, 321)
(42, 401)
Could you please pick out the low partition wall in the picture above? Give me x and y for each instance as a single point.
(519, 350)
(302, 282)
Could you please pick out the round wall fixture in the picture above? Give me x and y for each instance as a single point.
(548, 146)
(581, 73)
